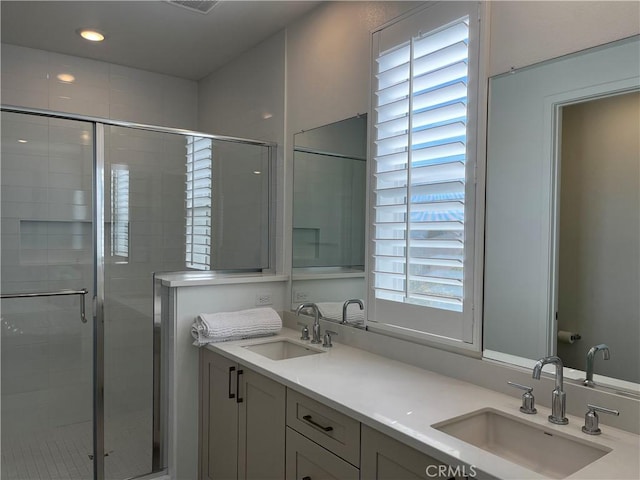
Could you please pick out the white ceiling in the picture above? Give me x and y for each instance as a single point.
(149, 35)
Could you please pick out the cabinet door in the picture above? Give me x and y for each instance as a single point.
(384, 458)
(308, 460)
(261, 427)
(219, 417)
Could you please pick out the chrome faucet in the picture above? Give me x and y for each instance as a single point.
(591, 356)
(346, 304)
(315, 329)
(558, 397)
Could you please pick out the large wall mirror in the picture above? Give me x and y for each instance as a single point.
(329, 204)
(562, 255)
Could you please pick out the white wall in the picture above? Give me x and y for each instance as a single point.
(523, 33)
(29, 79)
(180, 307)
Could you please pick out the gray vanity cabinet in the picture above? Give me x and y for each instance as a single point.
(322, 443)
(384, 458)
(307, 459)
(242, 422)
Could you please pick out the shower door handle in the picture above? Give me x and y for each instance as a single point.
(83, 312)
(82, 292)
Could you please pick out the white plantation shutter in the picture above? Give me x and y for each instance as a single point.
(120, 211)
(421, 174)
(198, 203)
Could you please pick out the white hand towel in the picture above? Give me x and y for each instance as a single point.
(226, 326)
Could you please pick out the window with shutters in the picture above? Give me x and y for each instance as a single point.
(425, 90)
(198, 203)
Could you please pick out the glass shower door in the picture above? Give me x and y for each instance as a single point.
(144, 210)
(47, 247)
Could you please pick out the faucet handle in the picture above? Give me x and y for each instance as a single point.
(305, 331)
(591, 426)
(528, 400)
(327, 338)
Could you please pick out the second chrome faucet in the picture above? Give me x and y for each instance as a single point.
(591, 354)
(558, 396)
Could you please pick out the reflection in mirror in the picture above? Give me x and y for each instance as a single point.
(599, 234)
(328, 237)
(562, 246)
(227, 228)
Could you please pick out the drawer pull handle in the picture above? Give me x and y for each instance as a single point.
(231, 370)
(309, 419)
(239, 399)
(306, 478)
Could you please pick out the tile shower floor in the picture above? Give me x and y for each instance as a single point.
(63, 453)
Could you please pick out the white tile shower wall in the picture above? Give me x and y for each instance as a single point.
(30, 79)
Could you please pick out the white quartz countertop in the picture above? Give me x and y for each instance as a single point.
(195, 279)
(403, 402)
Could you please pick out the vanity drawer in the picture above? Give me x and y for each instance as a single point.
(331, 429)
(308, 460)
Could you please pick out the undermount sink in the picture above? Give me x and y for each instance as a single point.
(532, 446)
(282, 349)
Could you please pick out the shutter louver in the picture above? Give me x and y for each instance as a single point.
(120, 211)
(420, 158)
(198, 203)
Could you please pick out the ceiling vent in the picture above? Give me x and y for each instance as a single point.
(195, 6)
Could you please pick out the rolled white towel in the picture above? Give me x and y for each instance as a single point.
(333, 311)
(226, 326)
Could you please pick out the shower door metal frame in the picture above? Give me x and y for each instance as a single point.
(160, 420)
(98, 302)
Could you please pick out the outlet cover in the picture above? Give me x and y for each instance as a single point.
(300, 296)
(263, 299)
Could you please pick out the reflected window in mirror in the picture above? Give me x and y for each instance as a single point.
(426, 90)
(562, 246)
(198, 201)
(228, 205)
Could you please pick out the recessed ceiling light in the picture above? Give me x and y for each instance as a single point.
(66, 77)
(257, 172)
(91, 35)
(22, 141)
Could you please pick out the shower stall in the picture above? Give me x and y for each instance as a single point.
(91, 208)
